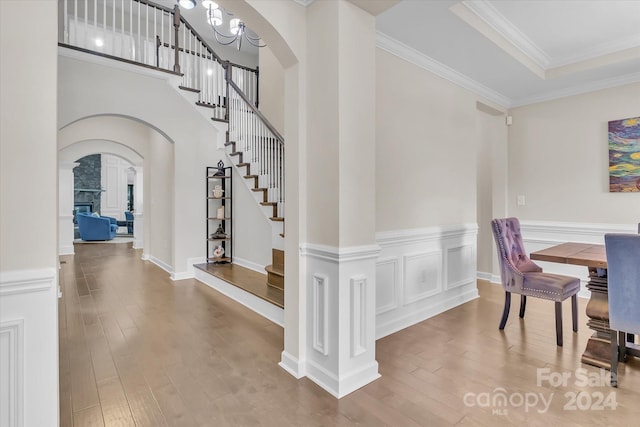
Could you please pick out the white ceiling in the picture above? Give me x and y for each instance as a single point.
(513, 52)
(519, 51)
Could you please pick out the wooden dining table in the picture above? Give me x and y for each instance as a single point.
(594, 257)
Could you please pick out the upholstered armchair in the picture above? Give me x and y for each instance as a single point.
(623, 271)
(95, 227)
(129, 217)
(522, 276)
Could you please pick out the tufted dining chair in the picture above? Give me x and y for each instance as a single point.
(623, 271)
(522, 276)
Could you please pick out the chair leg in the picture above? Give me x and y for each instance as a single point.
(523, 305)
(614, 359)
(622, 347)
(505, 312)
(559, 324)
(574, 312)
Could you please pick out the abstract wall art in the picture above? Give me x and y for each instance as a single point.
(624, 155)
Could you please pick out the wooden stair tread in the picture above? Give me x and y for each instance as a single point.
(271, 269)
(276, 218)
(215, 119)
(259, 189)
(205, 104)
(189, 89)
(236, 153)
(228, 143)
(240, 165)
(245, 279)
(269, 203)
(282, 235)
(250, 176)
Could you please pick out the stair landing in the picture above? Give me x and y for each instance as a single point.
(245, 279)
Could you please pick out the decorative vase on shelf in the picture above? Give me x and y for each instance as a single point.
(220, 213)
(218, 251)
(217, 191)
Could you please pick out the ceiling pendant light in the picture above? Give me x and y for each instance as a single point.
(237, 27)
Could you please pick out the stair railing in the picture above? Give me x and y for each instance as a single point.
(261, 144)
(148, 34)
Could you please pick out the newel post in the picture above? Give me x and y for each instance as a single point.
(176, 27)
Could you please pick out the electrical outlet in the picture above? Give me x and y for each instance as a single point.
(520, 200)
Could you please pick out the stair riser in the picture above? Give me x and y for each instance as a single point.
(277, 260)
(275, 281)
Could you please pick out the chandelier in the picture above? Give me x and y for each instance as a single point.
(237, 28)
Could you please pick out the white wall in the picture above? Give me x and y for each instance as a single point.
(271, 89)
(425, 148)
(159, 224)
(251, 229)
(28, 214)
(426, 143)
(558, 159)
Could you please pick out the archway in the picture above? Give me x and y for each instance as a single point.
(67, 161)
(145, 149)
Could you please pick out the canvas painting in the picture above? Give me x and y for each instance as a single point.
(624, 155)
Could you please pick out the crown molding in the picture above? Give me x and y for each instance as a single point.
(489, 14)
(484, 10)
(401, 50)
(579, 89)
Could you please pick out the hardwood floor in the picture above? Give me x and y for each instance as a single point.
(139, 349)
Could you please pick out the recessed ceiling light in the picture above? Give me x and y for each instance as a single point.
(187, 4)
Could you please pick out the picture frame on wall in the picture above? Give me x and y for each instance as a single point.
(624, 155)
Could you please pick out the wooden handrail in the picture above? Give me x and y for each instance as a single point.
(257, 112)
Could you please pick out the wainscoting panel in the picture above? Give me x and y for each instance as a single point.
(422, 276)
(320, 317)
(29, 347)
(11, 386)
(421, 273)
(387, 285)
(358, 315)
(459, 265)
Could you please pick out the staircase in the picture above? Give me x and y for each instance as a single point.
(151, 35)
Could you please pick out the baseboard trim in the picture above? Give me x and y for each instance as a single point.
(339, 388)
(493, 278)
(424, 313)
(252, 302)
(190, 273)
(247, 264)
(292, 365)
(166, 267)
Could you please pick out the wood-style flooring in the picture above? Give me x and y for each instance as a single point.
(139, 349)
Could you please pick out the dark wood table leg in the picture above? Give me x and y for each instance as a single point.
(598, 350)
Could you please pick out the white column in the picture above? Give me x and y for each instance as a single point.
(65, 208)
(138, 214)
(340, 252)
